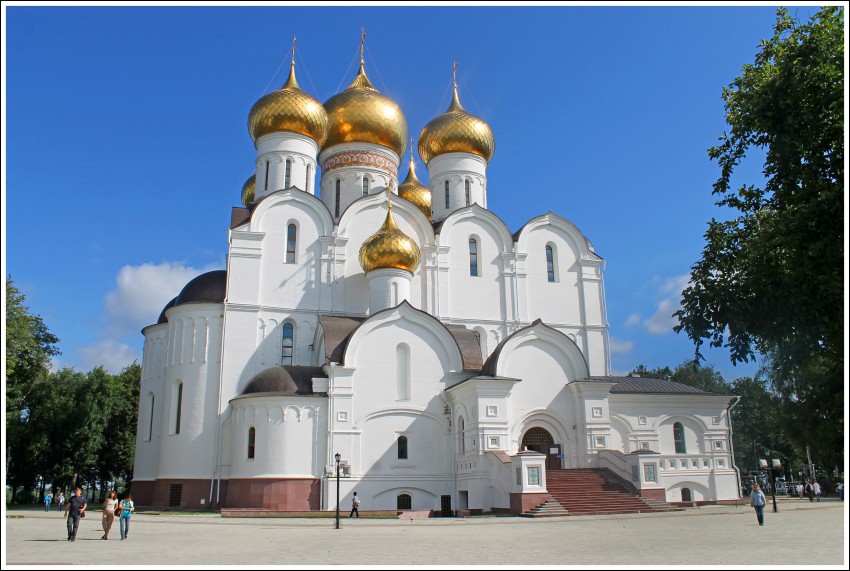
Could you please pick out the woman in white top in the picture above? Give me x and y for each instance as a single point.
(109, 506)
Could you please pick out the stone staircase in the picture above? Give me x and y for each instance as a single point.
(549, 508)
(589, 491)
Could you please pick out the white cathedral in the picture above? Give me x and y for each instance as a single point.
(402, 336)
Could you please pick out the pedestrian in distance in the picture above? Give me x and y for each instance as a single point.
(110, 507)
(810, 491)
(800, 489)
(355, 506)
(61, 500)
(74, 511)
(841, 490)
(817, 490)
(757, 500)
(48, 499)
(127, 510)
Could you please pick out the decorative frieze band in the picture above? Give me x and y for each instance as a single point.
(360, 159)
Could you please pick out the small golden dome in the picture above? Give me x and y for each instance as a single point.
(288, 109)
(456, 131)
(248, 191)
(361, 114)
(389, 247)
(414, 191)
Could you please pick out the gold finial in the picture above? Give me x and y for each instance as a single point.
(294, 39)
(454, 74)
(455, 104)
(362, 42)
(411, 152)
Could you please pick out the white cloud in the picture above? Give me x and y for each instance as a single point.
(674, 286)
(663, 321)
(617, 346)
(633, 319)
(141, 292)
(112, 355)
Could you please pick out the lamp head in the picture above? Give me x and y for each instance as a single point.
(337, 457)
(776, 464)
(763, 464)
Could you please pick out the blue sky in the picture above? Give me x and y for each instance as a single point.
(126, 141)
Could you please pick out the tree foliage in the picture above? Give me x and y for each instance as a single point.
(689, 373)
(770, 278)
(64, 423)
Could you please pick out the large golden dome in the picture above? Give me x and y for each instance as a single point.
(389, 247)
(456, 131)
(361, 114)
(248, 191)
(415, 192)
(288, 109)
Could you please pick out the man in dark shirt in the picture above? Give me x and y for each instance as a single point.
(74, 510)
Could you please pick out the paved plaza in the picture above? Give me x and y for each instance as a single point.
(801, 533)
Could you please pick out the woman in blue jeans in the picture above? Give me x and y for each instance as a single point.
(757, 500)
(127, 508)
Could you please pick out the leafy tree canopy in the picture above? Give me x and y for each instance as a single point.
(770, 278)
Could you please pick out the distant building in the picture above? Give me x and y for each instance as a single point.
(452, 364)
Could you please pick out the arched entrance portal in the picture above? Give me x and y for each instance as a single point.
(539, 440)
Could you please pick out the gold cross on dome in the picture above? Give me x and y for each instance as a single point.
(362, 41)
(294, 39)
(454, 74)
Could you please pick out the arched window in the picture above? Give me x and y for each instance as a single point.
(686, 495)
(466, 184)
(178, 412)
(402, 372)
(447, 193)
(461, 436)
(336, 209)
(291, 239)
(679, 438)
(287, 173)
(287, 344)
(404, 502)
(402, 447)
(252, 437)
(365, 185)
(550, 264)
(150, 419)
(307, 184)
(473, 257)
(267, 174)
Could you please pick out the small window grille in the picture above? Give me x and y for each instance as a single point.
(287, 174)
(291, 235)
(404, 502)
(365, 185)
(287, 344)
(175, 495)
(447, 193)
(473, 257)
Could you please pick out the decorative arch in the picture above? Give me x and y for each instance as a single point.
(403, 411)
(442, 340)
(401, 209)
(299, 199)
(538, 331)
(488, 221)
(562, 227)
(539, 418)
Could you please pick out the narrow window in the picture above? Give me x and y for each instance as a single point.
(307, 184)
(679, 438)
(287, 344)
(252, 437)
(447, 194)
(402, 372)
(286, 173)
(365, 185)
(179, 408)
(461, 436)
(291, 233)
(267, 175)
(150, 426)
(336, 210)
(402, 447)
(550, 264)
(686, 495)
(404, 502)
(473, 257)
(466, 184)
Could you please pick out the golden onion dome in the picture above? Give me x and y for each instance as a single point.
(456, 131)
(362, 114)
(288, 109)
(415, 192)
(389, 247)
(248, 191)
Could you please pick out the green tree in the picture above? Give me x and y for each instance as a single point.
(689, 373)
(770, 278)
(115, 459)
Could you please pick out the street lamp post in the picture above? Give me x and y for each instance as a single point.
(337, 457)
(771, 468)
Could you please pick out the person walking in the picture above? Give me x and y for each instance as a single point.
(841, 490)
(75, 510)
(110, 505)
(355, 506)
(48, 499)
(800, 489)
(817, 490)
(127, 510)
(61, 500)
(810, 491)
(757, 500)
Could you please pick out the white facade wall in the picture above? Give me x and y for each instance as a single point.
(151, 397)
(457, 169)
(352, 163)
(273, 150)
